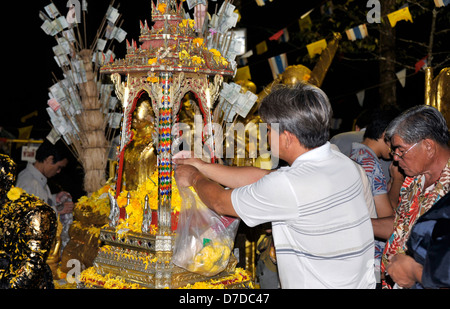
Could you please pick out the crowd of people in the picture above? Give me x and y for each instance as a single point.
(324, 233)
(361, 210)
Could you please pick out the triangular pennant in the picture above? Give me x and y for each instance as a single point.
(422, 63)
(277, 35)
(360, 95)
(401, 75)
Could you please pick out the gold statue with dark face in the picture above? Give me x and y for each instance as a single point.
(27, 232)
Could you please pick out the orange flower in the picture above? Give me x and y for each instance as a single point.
(152, 79)
(122, 199)
(198, 41)
(162, 8)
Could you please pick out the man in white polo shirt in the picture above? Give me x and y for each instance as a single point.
(320, 223)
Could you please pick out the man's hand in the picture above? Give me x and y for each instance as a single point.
(66, 199)
(404, 270)
(187, 157)
(186, 175)
(68, 208)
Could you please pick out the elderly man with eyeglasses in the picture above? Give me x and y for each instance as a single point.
(419, 140)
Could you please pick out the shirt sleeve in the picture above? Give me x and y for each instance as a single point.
(267, 200)
(379, 184)
(33, 187)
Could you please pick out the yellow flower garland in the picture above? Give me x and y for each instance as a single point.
(135, 208)
(97, 202)
(91, 279)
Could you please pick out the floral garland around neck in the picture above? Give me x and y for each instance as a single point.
(415, 200)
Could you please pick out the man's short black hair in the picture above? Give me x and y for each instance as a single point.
(379, 122)
(58, 151)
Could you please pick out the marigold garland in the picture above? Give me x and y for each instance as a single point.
(97, 202)
(135, 207)
(92, 279)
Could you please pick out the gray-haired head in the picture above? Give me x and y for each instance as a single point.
(303, 110)
(418, 123)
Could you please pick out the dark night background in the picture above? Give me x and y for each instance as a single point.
(28, 60)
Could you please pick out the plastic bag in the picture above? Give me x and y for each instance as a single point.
(204, 239)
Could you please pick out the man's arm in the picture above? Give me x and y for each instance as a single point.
(383, 205)
(228, 176)
(211, 193)
(383, 227)
(395, 184)
(404, 270)
(214, 196)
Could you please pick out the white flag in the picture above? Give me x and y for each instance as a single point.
(112, 14)
(401, 75)
(84, 5)
(360, 95)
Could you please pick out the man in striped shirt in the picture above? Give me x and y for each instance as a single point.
(320, 223)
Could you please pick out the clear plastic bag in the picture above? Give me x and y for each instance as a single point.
(204, 239)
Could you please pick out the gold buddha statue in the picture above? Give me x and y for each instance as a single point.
(140, 155)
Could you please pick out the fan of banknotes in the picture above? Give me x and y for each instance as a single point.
(81, 103)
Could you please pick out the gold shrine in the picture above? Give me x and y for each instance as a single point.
(172, 61)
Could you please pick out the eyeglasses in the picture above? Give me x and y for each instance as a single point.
(400, 156)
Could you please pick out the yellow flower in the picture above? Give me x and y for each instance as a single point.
(122, 199)
(215, 52)
(197, 60)
(15, 193)
(183, 54)
(153, 79)
(212, 259)
(198, 41)
(104, 189)
(152, 61)
(162, 8)
(187, 23)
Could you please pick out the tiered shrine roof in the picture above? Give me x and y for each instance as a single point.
(170, 45)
